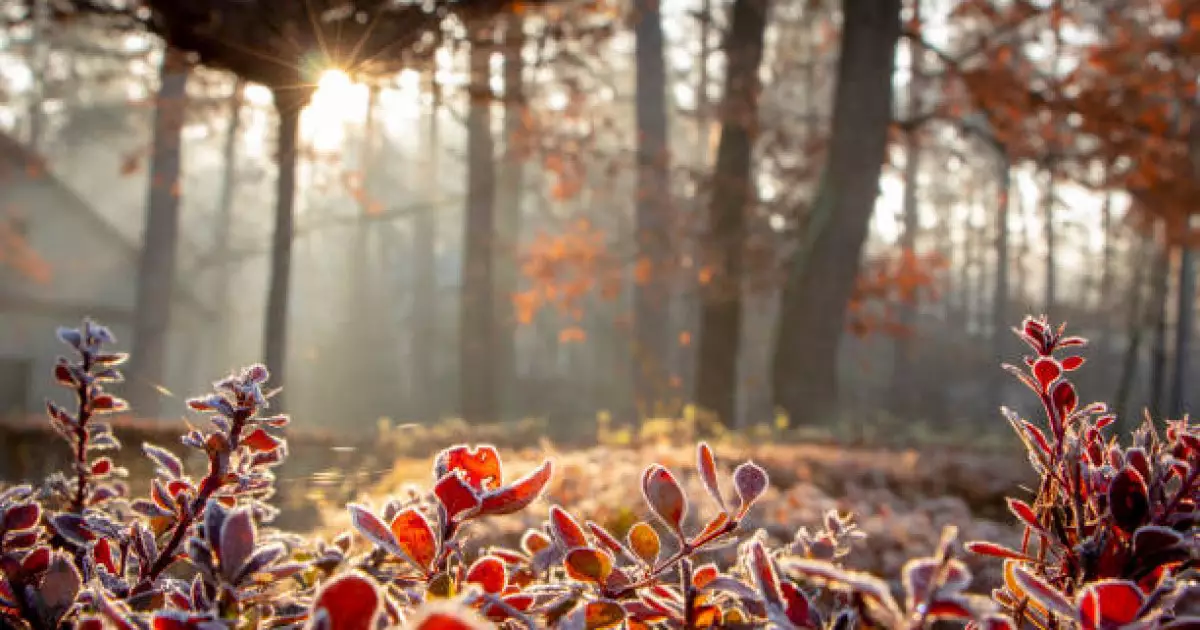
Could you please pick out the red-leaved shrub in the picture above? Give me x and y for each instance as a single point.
(1110, 536)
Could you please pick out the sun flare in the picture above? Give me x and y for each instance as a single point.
(338, 100)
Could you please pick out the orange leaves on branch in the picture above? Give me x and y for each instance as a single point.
(885, 284)
(562, 270)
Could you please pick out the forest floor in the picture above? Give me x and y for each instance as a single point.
(901, 498)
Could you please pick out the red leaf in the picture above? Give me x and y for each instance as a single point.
(520, 494)
(456, 496)
(711, 528)
(488, 572)
(1155, 539)
(1065, 399)
(237, 541)
(480, 466)
(985, 548)
(1128, 499)
(1070, 364)
(170, 620)
(372, 528)
(1047, 370)
(1109, 603)
(22, 517)
(603, 614)
(644, 542)
(764, 573)
(566, 528)
(534, 541)
(606, 539)
(102, 466)
(796, 606)
(949, 608)
(350, 601)
(102, 554)
(36, 561)
(261, 441)
(750, 481)
(704, 575)
(1036, 434)
(1067, 342)
(178, 487)
(588, 565)
(1042, 592)
(996, 622)
(707, 465)
(919, 576)
(415, 537)
(1024, 513)
(665, 497)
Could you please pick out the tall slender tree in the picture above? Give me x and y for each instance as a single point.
(720, 325)
(509, 211)
(653, 196)
(902, 368)
(477, 324)
(222, 231)
(424, 269)
(822, 272)
(156, 263)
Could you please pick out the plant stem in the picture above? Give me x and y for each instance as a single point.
(218, 465)
(84, 412)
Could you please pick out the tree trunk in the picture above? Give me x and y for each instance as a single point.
(289, 103)
(823, 271)
(156, 264)
(1138, 317)
(40, 63)
(1001, 325)
(477, 329)
(1184, 322)
(1048, 206)
(652, 201)
(720, 324)
(222, 277)
(511, 189)
(424, 269)
(1158, 351)
(361, 312)
(902, 386)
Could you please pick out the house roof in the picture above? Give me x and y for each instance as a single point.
(16, 154)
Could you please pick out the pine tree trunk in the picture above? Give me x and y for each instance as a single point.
(822, 273)
(156, 264)
(289, 103)
(721, 309)
(477, 328)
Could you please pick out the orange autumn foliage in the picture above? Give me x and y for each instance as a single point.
(887, 283)
(562, 270)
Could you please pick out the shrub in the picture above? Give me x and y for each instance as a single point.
(1110, 535)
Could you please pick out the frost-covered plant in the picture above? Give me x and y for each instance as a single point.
(1110, 536)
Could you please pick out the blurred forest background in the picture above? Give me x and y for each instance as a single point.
(828, 212)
